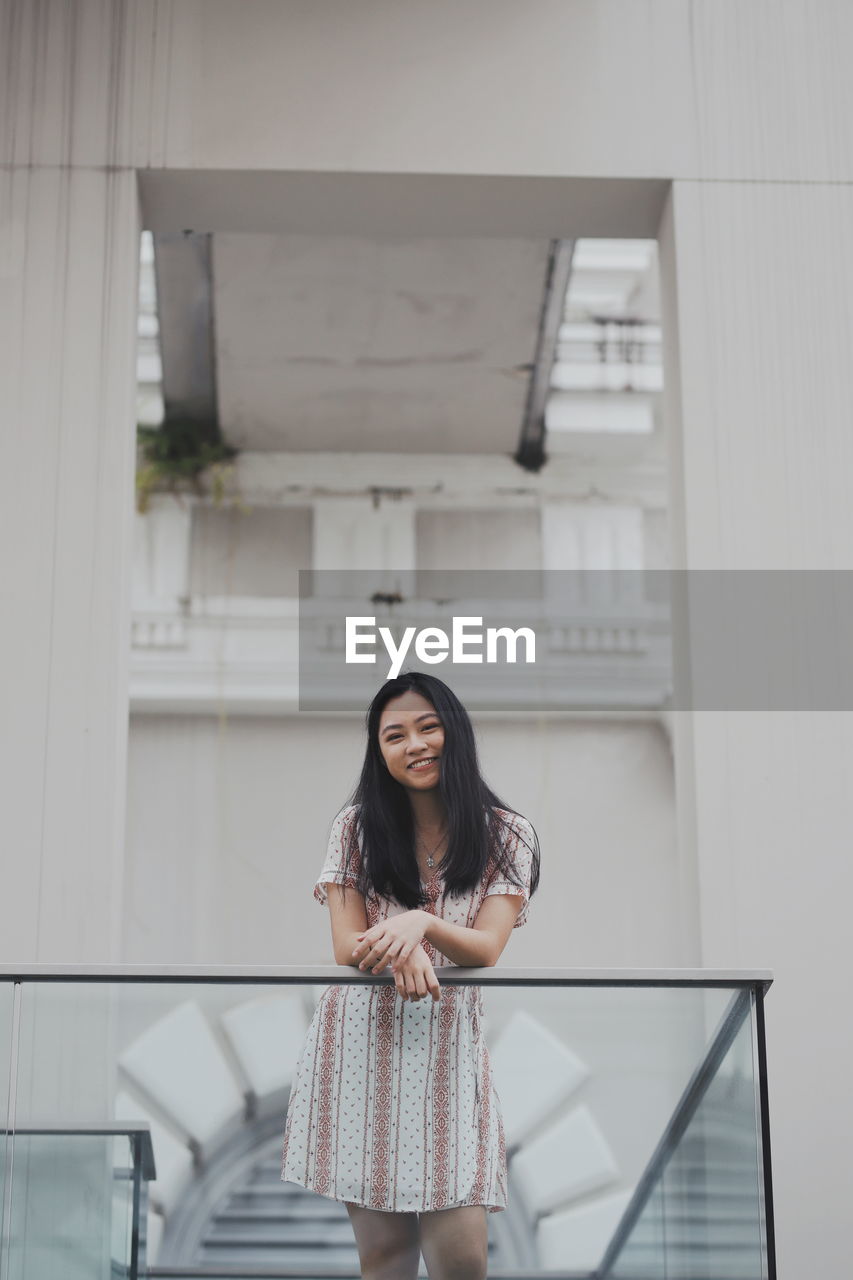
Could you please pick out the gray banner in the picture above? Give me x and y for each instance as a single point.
(610, 641)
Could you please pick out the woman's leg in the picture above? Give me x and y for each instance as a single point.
(388, 1243)
(455, 1243)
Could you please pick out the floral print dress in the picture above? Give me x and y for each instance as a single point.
(392, 1104)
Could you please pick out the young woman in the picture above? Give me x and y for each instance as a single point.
(392, 1108)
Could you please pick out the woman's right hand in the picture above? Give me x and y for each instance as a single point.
(415, 977)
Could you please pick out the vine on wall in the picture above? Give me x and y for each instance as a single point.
(172, 458)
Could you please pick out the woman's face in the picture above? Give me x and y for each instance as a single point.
(411, 739)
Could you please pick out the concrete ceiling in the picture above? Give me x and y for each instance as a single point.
(395, 344)
(370, 311)
(348, 343)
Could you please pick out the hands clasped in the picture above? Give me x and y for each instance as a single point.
(397, 942)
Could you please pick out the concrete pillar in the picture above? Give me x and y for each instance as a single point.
(600, 536)
(161, 570)
(600, 544)
(365, 534)
(70, 245)
(757, 279)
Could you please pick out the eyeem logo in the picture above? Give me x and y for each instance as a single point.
(433, 645)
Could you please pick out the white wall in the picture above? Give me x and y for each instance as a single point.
(478, 539)
(69, 243)
(228, 822)
(257, 552)
(599, 87)
(757, 282)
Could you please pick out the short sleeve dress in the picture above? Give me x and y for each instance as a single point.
(392, 1104)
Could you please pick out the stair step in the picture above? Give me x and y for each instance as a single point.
(700, 1221)
(267, 1177)
(678, 1252)
(264, 1205)
(311, 1258)
(734, 1138)
(650, 1269)
(723, 1236)
(696, 1187)
(274, 1186)
(714, 1162)
(274, 1232)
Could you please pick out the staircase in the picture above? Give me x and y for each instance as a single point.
(703, 1221)
(219, 1206)
(269, 1227)
(276, 1224)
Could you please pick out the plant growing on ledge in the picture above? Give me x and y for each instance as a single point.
(173, 456)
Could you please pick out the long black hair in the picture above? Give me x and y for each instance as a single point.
(480, 827)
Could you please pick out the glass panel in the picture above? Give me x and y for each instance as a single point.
(644, 1256)
(121, 1221)
(585, 1081)
(636, 1048)
(71, 1193)
(710, 1196)
(7, 991)
(69, 1213)
(712, 1181)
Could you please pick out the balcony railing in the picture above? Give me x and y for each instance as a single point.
(145, 1108)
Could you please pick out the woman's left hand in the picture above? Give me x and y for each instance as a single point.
(391, 941)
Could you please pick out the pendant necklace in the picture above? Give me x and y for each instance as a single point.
(430, 859)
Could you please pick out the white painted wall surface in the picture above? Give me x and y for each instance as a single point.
(69, 243)
(475, 539)
(757, 281)
(228, 823)
(252, 552)
(600, 87)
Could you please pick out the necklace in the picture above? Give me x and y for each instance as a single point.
(430, 859)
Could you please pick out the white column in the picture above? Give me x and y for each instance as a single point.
(601, 544)
(360, 533)
(161, 570)
(600, 535)
(757, 284)
(70, 244)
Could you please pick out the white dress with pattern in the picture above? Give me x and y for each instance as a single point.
(392, 1104)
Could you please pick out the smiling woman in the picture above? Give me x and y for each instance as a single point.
(411, 745)
(393, 1109)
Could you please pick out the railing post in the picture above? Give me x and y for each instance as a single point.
(9, 1152)
(765, 1131)
(136, 1148)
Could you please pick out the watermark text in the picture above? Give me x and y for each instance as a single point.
(468, 642)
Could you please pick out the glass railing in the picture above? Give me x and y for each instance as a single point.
(700, 1208)
(144, 1113)
(78, 1203)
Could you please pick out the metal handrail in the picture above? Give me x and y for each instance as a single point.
(139, 1133)
(455, 975)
